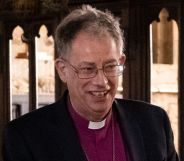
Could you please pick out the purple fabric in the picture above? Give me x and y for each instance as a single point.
(97, 144)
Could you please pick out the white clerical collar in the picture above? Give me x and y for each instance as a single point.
(96, 125)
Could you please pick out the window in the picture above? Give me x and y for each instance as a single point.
(164, 67)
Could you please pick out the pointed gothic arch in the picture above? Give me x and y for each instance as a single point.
(164, 47)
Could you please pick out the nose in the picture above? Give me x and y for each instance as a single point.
(100, 78)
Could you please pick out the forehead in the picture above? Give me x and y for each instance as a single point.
(90, 47)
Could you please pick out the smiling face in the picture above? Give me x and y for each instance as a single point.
(91, 98)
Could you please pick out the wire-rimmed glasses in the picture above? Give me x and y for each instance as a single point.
(110, 70)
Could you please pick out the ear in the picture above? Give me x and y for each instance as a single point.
(61, 69)
(122, 59)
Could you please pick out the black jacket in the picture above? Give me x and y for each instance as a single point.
(48, 134)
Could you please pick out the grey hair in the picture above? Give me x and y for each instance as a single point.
(89, 20)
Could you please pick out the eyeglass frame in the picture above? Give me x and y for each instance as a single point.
(77, 71)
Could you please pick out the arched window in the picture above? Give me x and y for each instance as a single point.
(45, 67)
(164, 67)
(164, 35)
(19, 74)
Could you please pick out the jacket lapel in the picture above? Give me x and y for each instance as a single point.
(67, 137)
(131, 132)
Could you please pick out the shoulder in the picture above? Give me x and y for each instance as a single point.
(150, 118)
(141, 110)
(43, 116)
(138, 105)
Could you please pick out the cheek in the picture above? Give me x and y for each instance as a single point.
(71, 77)
(114, 86)
(69, 74)
(114, 82)
(77, 85)
(71, 81)
(117, 81)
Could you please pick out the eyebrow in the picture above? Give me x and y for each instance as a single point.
(110, 61)
(86, 63)
(93, 64)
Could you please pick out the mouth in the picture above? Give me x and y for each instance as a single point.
(99, 93)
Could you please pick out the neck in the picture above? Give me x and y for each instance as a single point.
(94, 117)
(90, 115)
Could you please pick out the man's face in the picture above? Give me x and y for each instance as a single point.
(91, 98)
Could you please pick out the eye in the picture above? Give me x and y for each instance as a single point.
(87, 70)
(110, 67)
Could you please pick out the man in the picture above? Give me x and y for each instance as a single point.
(88, 123)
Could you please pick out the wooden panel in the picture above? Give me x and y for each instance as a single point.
(181, 85)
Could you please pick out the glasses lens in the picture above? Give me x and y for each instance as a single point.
(87, 72)
(113, 70)
(110, 70)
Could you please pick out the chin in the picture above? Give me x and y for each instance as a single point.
(102, 107)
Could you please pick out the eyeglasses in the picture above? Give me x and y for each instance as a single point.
(109, 70)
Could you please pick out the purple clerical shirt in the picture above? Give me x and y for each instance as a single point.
(98, 143)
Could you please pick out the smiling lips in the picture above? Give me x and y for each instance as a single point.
(99, 93)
